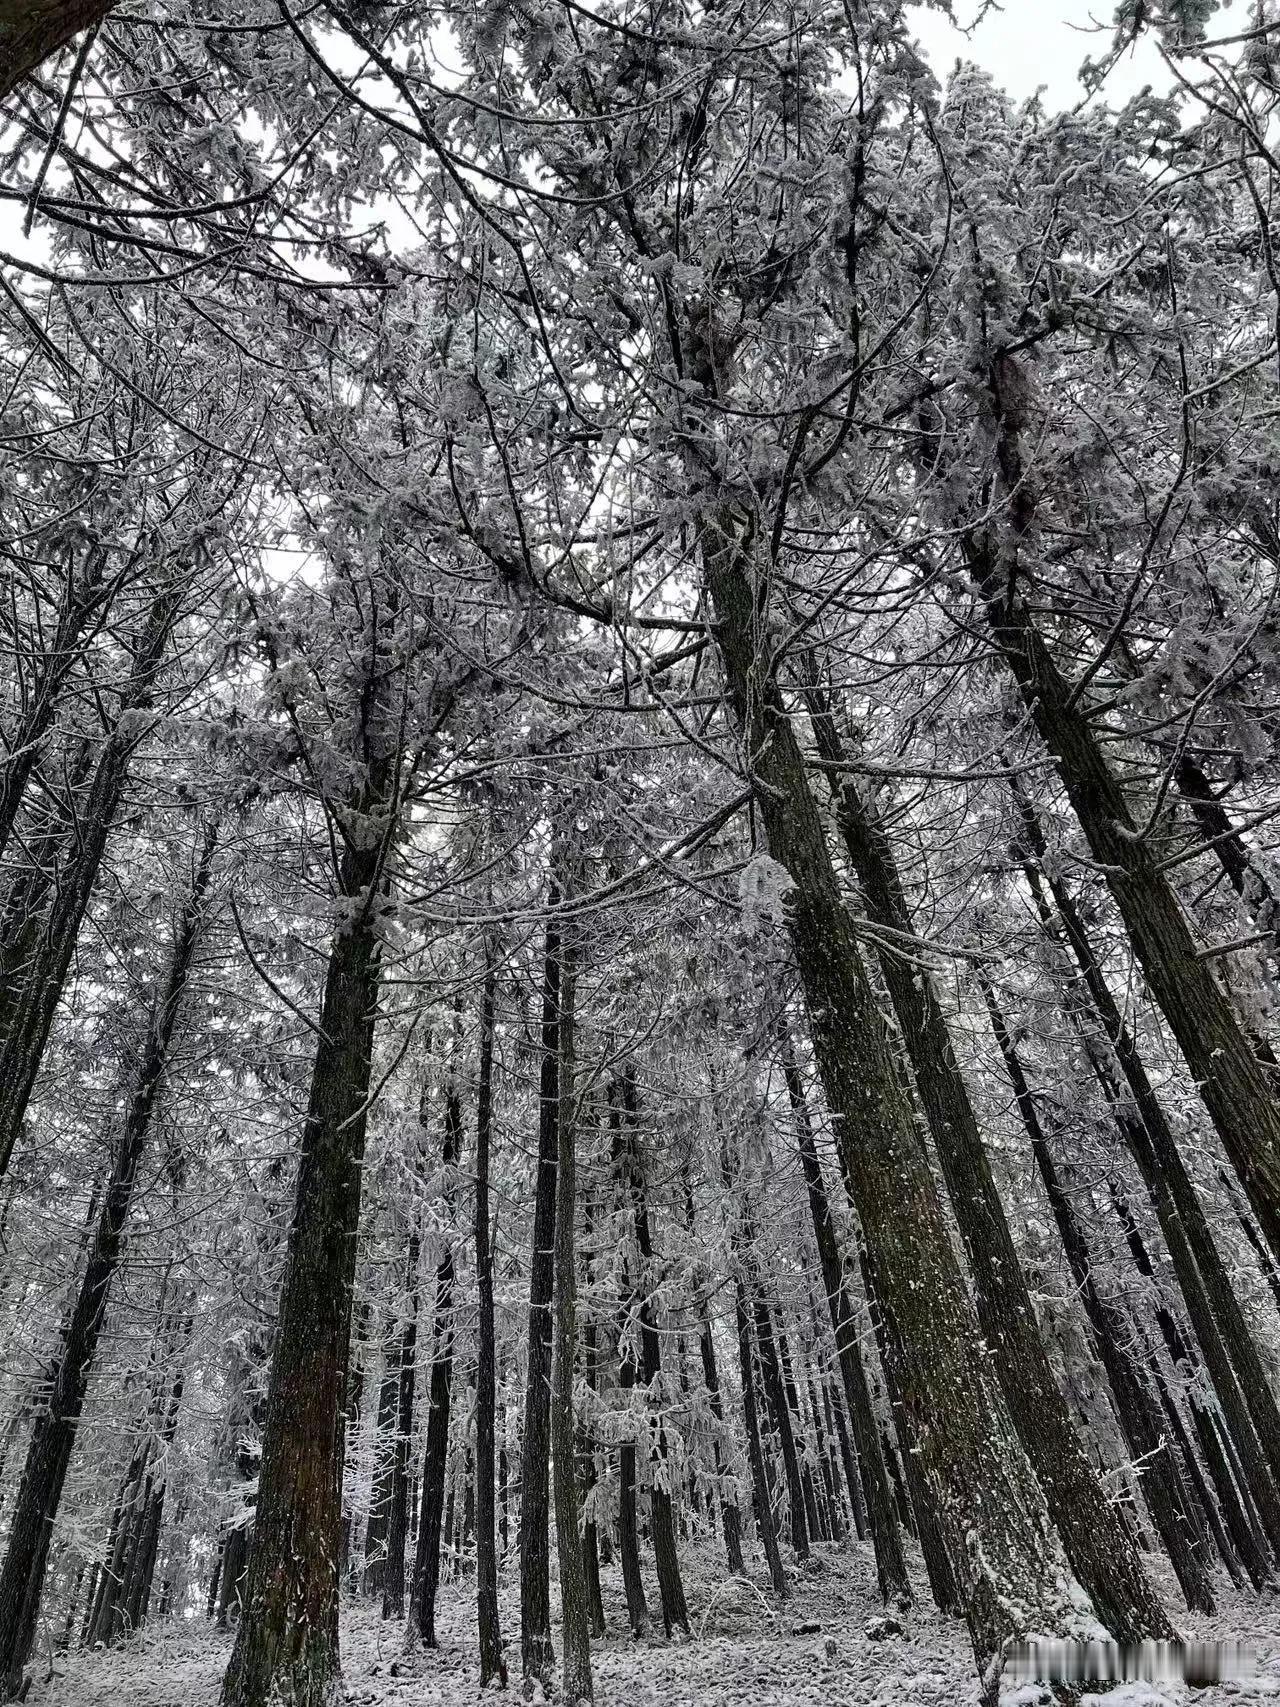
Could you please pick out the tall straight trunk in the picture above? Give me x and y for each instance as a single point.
(575, 1613)
(730, 1519)
(1217, 1049)
(795, 1406)
(755, 1446)
(585, 1446)
(433, 1528)
(998, 1529)
(1235, 1366)
(375, 1534)
(407, 1367)
(287, 1639)
(886, 1536)
(1101, 1553)
(53, 1435)
(675, 1613)
(1166, 1496)
(537, 1655)
(780, 1412)
(492, 1664)
(629, 1369)
(29, 1011)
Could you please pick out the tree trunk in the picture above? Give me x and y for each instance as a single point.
(433, 1525)
(1227, 1072)
(1101, 1553)
(287, 1640)
(886, 1536)
(999, 1531)
(54, 1432)
(755, 1446)
(29, 1011)
(407, 1368)
(1235, 1366)
(675, 1614)
(537, 1655)
(31, 31)
(575, 1613)
(492, 1664)
(1162, 1483)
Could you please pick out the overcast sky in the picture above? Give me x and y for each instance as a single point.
(1032, 42)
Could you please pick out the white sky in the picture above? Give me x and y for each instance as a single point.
(1028, 43)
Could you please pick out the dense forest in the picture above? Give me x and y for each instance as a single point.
(639, 850)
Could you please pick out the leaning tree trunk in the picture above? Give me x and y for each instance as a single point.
(29, 1011)
(53, 1435)
(492, 1664)
(432, 1525)
(1166, 1496)
(1009, 1562)
(536, 1652)
(1224, 840)
(31, 31)
(1101, 1552)
(886, 1535)
(575, 1613)
(1217, 1049)
(287, 1640)
(1235, 1366)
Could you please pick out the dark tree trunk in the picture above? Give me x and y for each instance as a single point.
(492, 1664)
(1228, 1346)
(1245, 875)
(287, 1639)
(730, 1519)
(575, 1612)
(1162, 1484)
(1218, 1051)
(755, 1446)
(891, 1564)
(780, 1413)
(537, 1655)
(29, 1010)
(54, 1432)
(998, 1528)
(407, 1368)
(675, 1614)
(433, 1525)
(30, 33)
(1102, 1556)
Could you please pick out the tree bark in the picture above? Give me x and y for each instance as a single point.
(998, 1527)
(29, 1009)
(433, 1523)
(31, 31)
(1102, 1555)
(53, 1435)
(575, 1613)
(536, 1652)
(886, 1536)
(287, 1640)
(1166, 1496)
(1217, 1049)
(492, 1664)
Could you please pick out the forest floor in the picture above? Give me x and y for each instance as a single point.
(743, 1653)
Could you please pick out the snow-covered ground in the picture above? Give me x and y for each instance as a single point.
(743, 1654)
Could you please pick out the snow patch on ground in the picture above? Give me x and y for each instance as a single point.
(744, 1652)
